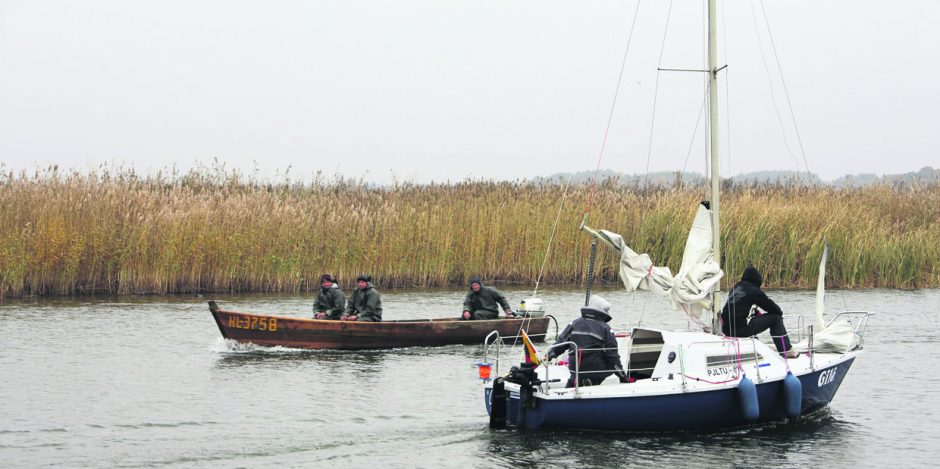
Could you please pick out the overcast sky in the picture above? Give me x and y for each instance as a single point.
(448, 90)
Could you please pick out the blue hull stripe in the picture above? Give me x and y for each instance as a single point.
(688, 411)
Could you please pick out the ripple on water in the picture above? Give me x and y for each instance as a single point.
(101, 390)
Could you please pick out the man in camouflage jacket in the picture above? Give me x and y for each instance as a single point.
(483, 302)
(365, 304)
(330, 299)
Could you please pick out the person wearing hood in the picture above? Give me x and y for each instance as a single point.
(483, 302)
(597, 346)
(365, 304)
(330, 299)
(745, 295)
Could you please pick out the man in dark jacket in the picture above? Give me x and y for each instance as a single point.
(330, 299)
(483, 302)
(365, 304)
(745, 295)
(596, 343)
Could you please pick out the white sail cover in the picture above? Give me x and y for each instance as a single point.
(698, 275)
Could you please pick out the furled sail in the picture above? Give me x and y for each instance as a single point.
(698, 275)
(839, 336)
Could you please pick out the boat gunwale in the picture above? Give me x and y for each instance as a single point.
(612, 390)
(393, 321)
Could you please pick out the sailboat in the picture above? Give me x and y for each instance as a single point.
(688, 380)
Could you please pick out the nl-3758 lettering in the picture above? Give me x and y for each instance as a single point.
(253, 323)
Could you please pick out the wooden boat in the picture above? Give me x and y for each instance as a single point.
(267, 330)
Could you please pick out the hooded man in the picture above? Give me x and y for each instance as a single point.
(330, 299)
(483, 302)
(745, 295)
(365, 304)
(597, 346)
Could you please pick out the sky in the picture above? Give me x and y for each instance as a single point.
(445, 91)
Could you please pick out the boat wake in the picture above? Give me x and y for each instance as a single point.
(227, 346)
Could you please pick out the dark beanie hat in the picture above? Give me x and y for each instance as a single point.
(327, 278)
(364, 278)
(475, 280)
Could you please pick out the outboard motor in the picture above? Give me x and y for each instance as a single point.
(525, 376)
(498, 400)
(532, 308)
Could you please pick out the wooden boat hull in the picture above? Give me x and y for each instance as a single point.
(268, 330)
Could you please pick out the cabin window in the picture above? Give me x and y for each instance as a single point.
(722, 360)
(645, 349)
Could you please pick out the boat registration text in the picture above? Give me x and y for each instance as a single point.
(253, 323)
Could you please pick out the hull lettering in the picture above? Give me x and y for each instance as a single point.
(827, 377)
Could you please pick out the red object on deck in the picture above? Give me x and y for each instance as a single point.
(485, 370)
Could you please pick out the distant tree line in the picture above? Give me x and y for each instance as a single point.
(925, 177)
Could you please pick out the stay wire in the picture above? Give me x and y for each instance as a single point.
(526, 319)
(698, 121)
(783, 82)
(610, 115)
(600, 156)
(727, 100)
(662, 49)
(727, 132)
(770, 84)
(551, 239)
(707, 105)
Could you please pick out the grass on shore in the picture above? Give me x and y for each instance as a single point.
(116, 232)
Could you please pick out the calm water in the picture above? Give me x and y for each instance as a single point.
(135, 382)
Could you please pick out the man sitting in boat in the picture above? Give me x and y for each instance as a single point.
(330, 299)
(745, 295)
(596, 343)
(483, 302)
(365, 304)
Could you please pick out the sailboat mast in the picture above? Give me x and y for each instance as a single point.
(713, 137)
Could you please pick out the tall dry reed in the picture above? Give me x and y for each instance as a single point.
(116, 232)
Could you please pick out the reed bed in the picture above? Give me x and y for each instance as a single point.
(118, 233)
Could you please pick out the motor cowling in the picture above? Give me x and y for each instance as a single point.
(523, 375)
(527, 378)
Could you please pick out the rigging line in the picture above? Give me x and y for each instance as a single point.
(706, 82)
(610, 115)
(690, 313)
(727, 132)
(784, 83)
(701, 111)
(662, 49)
(727, 100)
(770, 84)
(639, 322)
(564, 195)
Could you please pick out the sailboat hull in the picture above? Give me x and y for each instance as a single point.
(688, 411)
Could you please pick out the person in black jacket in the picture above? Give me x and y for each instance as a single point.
(745, 295)
(596, 345)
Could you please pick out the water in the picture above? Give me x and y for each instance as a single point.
(132, 382)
